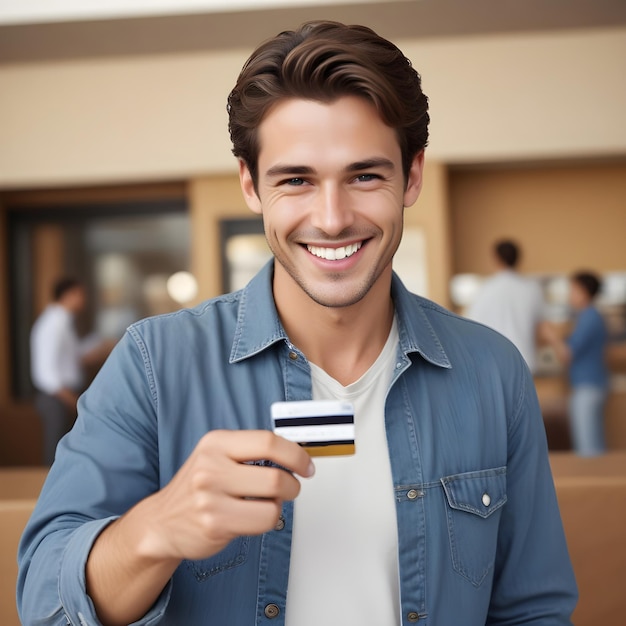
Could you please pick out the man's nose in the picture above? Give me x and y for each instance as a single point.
(332, 210)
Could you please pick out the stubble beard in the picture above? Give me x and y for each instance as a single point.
(333, 297)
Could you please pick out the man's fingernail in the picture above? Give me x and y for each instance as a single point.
(311, 469)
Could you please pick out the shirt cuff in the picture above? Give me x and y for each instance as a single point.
(77, 605)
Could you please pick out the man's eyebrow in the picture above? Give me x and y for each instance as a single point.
(373, 163)
(289, 170)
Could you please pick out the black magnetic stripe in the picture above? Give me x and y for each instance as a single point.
(313, 421)
(321, 444)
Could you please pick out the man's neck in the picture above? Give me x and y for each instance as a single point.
(343, 341)
(58, 305)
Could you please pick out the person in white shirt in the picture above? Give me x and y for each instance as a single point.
(510, 303)
(58, 358)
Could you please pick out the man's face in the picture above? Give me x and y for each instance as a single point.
(332, 192)
(75, 299)
(578, 296)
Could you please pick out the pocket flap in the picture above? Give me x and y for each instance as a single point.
(480, 493)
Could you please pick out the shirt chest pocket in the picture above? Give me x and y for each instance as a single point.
(473, 504)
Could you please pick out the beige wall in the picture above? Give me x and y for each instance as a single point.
(530, 96)
(163, 117)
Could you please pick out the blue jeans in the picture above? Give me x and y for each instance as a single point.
(587, 419)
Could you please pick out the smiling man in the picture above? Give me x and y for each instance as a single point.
(332, 191)
(172, 502)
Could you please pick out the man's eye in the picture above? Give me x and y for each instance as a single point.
(296, 182)
(365, 178)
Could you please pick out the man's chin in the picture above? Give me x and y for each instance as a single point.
(336, 298)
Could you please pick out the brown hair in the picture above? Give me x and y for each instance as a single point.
(589, 281)
(323, 61)
(63, 286)
(508, 252)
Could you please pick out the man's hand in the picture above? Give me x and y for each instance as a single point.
(553, 336)
(216, 495)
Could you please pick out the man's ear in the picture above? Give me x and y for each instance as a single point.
(247, 187)
(414, 180)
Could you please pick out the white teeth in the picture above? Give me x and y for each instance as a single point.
(333, 254)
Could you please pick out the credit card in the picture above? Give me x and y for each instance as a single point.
(321, 427)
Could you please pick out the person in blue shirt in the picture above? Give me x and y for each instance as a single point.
(583, 352)
(172, 501)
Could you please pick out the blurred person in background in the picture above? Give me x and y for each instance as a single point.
(58, 360)
(584, 354)
(510, 303)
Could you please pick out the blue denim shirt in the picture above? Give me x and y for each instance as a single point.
(588, 344)
(480, 535)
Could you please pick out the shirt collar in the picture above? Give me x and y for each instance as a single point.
(258, 324)
(417, 334)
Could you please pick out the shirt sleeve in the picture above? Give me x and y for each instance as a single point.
(534, 581)
(585, 332)
(81, 496)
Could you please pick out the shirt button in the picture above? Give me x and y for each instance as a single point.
(411, 494)
(293, 356)
(486, 499)
(272, 611)
(280, 524)
(412, 616)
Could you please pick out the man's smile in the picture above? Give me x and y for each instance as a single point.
(334, 254)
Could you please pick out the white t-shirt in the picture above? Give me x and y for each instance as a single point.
(344, 556)
(513, 305)
(55, 351)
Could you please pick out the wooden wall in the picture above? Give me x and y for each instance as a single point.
(564, 217)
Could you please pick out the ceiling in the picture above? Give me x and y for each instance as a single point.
(244, 29)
